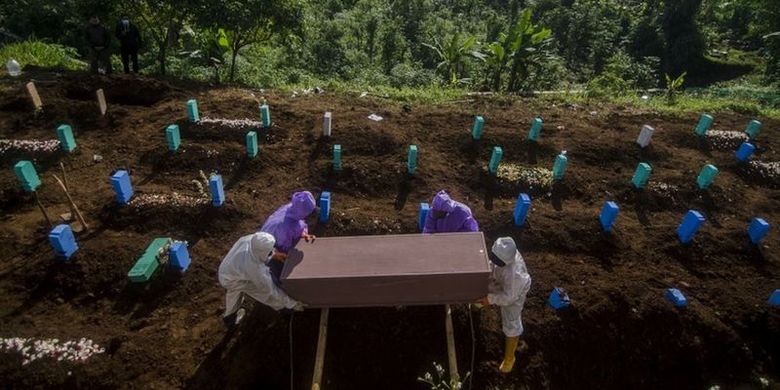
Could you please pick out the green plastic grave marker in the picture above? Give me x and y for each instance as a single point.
(65, 135)
(536, 128)
(173, 137)
(265, 115)
(148, 263)
(411, 160)
(559, 169)
(495, 159)
(707, 176)
(704, 124)
(476, 129)
(28, 177)
(192, 110)
(251, 144)
(641, 175)
(336, 157)
(753, 128)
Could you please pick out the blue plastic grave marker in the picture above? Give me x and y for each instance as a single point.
(495, 159)
(63, 241)
(265, 115)
(676, 297)
(705, 121)
(179, 256)
(689, 226)
(559, 169)
(757, 230)
(522, 207)
(217, 191)
(745, 151)
(27, 176)
(608, 214)
(559, 299)
(774, 299)
(65, 135)
(251, 144)
(192, 110)
(120, 180)
(325, 207)
(422, 214)
(476, 129)
(641, 175)
(536, 128)
(173, 137)
(336, 157)
(411, 160)
(707, 175)
(753, 128)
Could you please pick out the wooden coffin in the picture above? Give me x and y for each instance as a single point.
(410, 269)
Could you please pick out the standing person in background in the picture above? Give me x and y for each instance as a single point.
(129, 42)
(98, 41)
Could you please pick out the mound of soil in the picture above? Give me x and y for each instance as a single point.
(619, 333)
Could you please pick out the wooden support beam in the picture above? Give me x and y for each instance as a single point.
(319, 360)
(72, 204)
(451, 356)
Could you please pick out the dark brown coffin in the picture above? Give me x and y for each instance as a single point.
(409, 269)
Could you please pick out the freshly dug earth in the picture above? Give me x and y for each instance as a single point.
(619, 333)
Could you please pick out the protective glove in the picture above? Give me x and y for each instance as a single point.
(279, 256)
(299, 306)
(483, 302)
(309, 238)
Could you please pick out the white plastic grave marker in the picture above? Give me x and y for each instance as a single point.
(645, 136)
(326, 123)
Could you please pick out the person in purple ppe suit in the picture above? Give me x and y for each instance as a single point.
(288, 225)
(449, 216)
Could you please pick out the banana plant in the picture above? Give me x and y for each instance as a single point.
(518, 47)
(452, 56)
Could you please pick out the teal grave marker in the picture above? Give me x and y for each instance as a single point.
(641, 175)
(707, 176)
(705, 121)
(65, 135)
(192, 110)
(251, 144)
(173, 137)
(536, 129)
(476, 129)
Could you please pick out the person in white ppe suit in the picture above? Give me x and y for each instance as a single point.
(508, 288)
(244, 270)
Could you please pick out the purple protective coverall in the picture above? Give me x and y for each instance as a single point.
(287, 223)
(458, 218)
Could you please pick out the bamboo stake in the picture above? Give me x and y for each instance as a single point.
(64, 176)
(453, 360)
(72, 204)
(319, 360)
(43, 209)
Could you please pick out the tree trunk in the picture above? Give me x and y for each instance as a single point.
(233, 64)
(161, 55)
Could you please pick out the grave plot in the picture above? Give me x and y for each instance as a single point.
(603, 241)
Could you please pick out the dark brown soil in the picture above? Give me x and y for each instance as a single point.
(620, 332)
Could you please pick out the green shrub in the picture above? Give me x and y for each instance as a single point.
(37, 53)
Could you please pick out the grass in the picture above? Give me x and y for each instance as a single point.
(41, 54)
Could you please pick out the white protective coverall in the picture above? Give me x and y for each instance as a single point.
(244, 270)
(509, 286)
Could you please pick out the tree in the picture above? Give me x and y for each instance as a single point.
(250, 21)
(452, 56)
(162, 20)
(684, 41)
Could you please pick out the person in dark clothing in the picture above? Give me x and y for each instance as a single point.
(130, 42)
(98, 40)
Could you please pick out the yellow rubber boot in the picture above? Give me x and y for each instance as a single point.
(509, 354)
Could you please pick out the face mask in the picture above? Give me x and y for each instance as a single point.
(495, 260)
